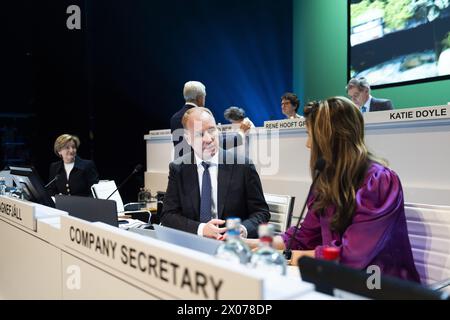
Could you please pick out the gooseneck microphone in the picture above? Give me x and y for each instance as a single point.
(318, 168)
(51, 181)
(135, 170)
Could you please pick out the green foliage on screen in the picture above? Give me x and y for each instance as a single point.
(395, 12)
(446, 42)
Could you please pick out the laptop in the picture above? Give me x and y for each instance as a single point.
(89, 209)
(187, 240)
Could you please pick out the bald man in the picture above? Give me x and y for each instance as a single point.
(209, 185)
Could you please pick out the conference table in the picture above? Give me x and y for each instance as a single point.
(48, 254)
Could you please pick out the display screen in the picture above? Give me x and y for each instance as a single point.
(395, 42)
(31, 184)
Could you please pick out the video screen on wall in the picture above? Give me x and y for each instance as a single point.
(395, 42)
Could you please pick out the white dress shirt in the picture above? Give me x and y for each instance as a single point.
(68, 167)
(295, 116)
(367, 104)
(213, 172)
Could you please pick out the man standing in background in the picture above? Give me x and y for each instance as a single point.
(194, 93)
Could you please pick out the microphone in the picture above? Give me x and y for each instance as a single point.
(135, 170)
(318, 168)
(51, 181)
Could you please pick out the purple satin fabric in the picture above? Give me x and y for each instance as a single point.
(377, 235)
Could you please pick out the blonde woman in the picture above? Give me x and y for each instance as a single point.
(74, 176)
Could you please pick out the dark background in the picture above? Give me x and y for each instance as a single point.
(123, 73)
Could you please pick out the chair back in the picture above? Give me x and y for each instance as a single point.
(429, 234)
(281, 207)
(104, 188)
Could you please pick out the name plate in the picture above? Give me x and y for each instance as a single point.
(171, 269)
(227, 127)
(297, 123)
(410, 114)
(156, 133)
(20, 212)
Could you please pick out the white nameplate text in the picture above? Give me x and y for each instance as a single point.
(298, 123)
(410, 114)
(164, 132)
(174, 270)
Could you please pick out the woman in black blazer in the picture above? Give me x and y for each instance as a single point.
(75, 175)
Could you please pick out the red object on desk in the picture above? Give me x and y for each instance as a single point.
(331, 253)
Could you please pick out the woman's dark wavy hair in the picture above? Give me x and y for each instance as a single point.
(336, 128)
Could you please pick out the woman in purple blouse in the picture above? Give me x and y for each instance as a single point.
(357, 202)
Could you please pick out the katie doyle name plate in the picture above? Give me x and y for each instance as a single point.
(410, 114)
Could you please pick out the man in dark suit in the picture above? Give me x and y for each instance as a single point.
(209, 185)
(194, 93)
(358, 89)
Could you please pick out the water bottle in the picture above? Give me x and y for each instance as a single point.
(266, 258)
(18, 193)
(144, 196)
(2, 186)
(234, 249)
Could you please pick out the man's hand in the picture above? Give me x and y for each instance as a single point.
(212, 230)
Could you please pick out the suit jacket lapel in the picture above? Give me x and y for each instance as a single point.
(373, 104)
(62, 173)
(223, 181)
(78, 164)
(59, 166)
(190, 183)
